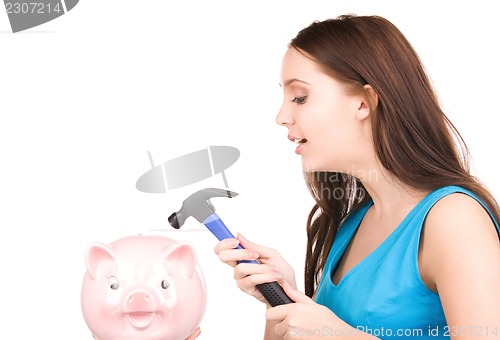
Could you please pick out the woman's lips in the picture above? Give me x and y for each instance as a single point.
(299, 141)
(299, 148)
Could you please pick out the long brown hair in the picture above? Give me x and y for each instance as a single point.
(413, 138)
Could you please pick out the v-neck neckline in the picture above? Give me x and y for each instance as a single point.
(382, 245)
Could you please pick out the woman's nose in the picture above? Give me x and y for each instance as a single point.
(284, 117)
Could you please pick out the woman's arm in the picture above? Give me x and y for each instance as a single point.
(460, 259)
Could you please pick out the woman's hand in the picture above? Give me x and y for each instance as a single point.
(272, 266)
(307, 320)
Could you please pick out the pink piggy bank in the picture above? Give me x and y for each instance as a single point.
(143, 287)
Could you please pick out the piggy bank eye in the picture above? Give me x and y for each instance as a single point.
(113, 283)
(165, 284)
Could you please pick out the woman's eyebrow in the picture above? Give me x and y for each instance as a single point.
(293, 80)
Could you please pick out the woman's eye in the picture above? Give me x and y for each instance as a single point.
(299, 100)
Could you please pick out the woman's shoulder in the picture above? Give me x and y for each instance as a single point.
(460, 209)
(456, 230)
(458, 256)
(459, 213)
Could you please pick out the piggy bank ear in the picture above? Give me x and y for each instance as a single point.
(96, 255)
(181, 255)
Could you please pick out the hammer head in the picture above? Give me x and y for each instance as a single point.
(198, 205)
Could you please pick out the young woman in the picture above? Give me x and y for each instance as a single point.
(403, 240)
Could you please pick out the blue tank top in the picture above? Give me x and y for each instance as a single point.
(384, 294)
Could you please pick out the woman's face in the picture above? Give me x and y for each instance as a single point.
(328, 123)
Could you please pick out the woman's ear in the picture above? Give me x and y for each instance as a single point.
(368, 102)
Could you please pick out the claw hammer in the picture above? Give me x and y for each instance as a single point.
(199, 206)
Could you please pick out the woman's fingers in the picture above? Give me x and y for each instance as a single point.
(195, 334)
(248, 276)
(264, 252)
(232, 256)
(249, 283)
(270, 266)
(228, 243)
(243, 270)
(227, 253)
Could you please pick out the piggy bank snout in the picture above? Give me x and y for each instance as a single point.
(139, 301)
(140, 308)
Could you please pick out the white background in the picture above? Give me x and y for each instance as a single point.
(84, 97)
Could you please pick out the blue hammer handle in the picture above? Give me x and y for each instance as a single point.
(272, 291)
